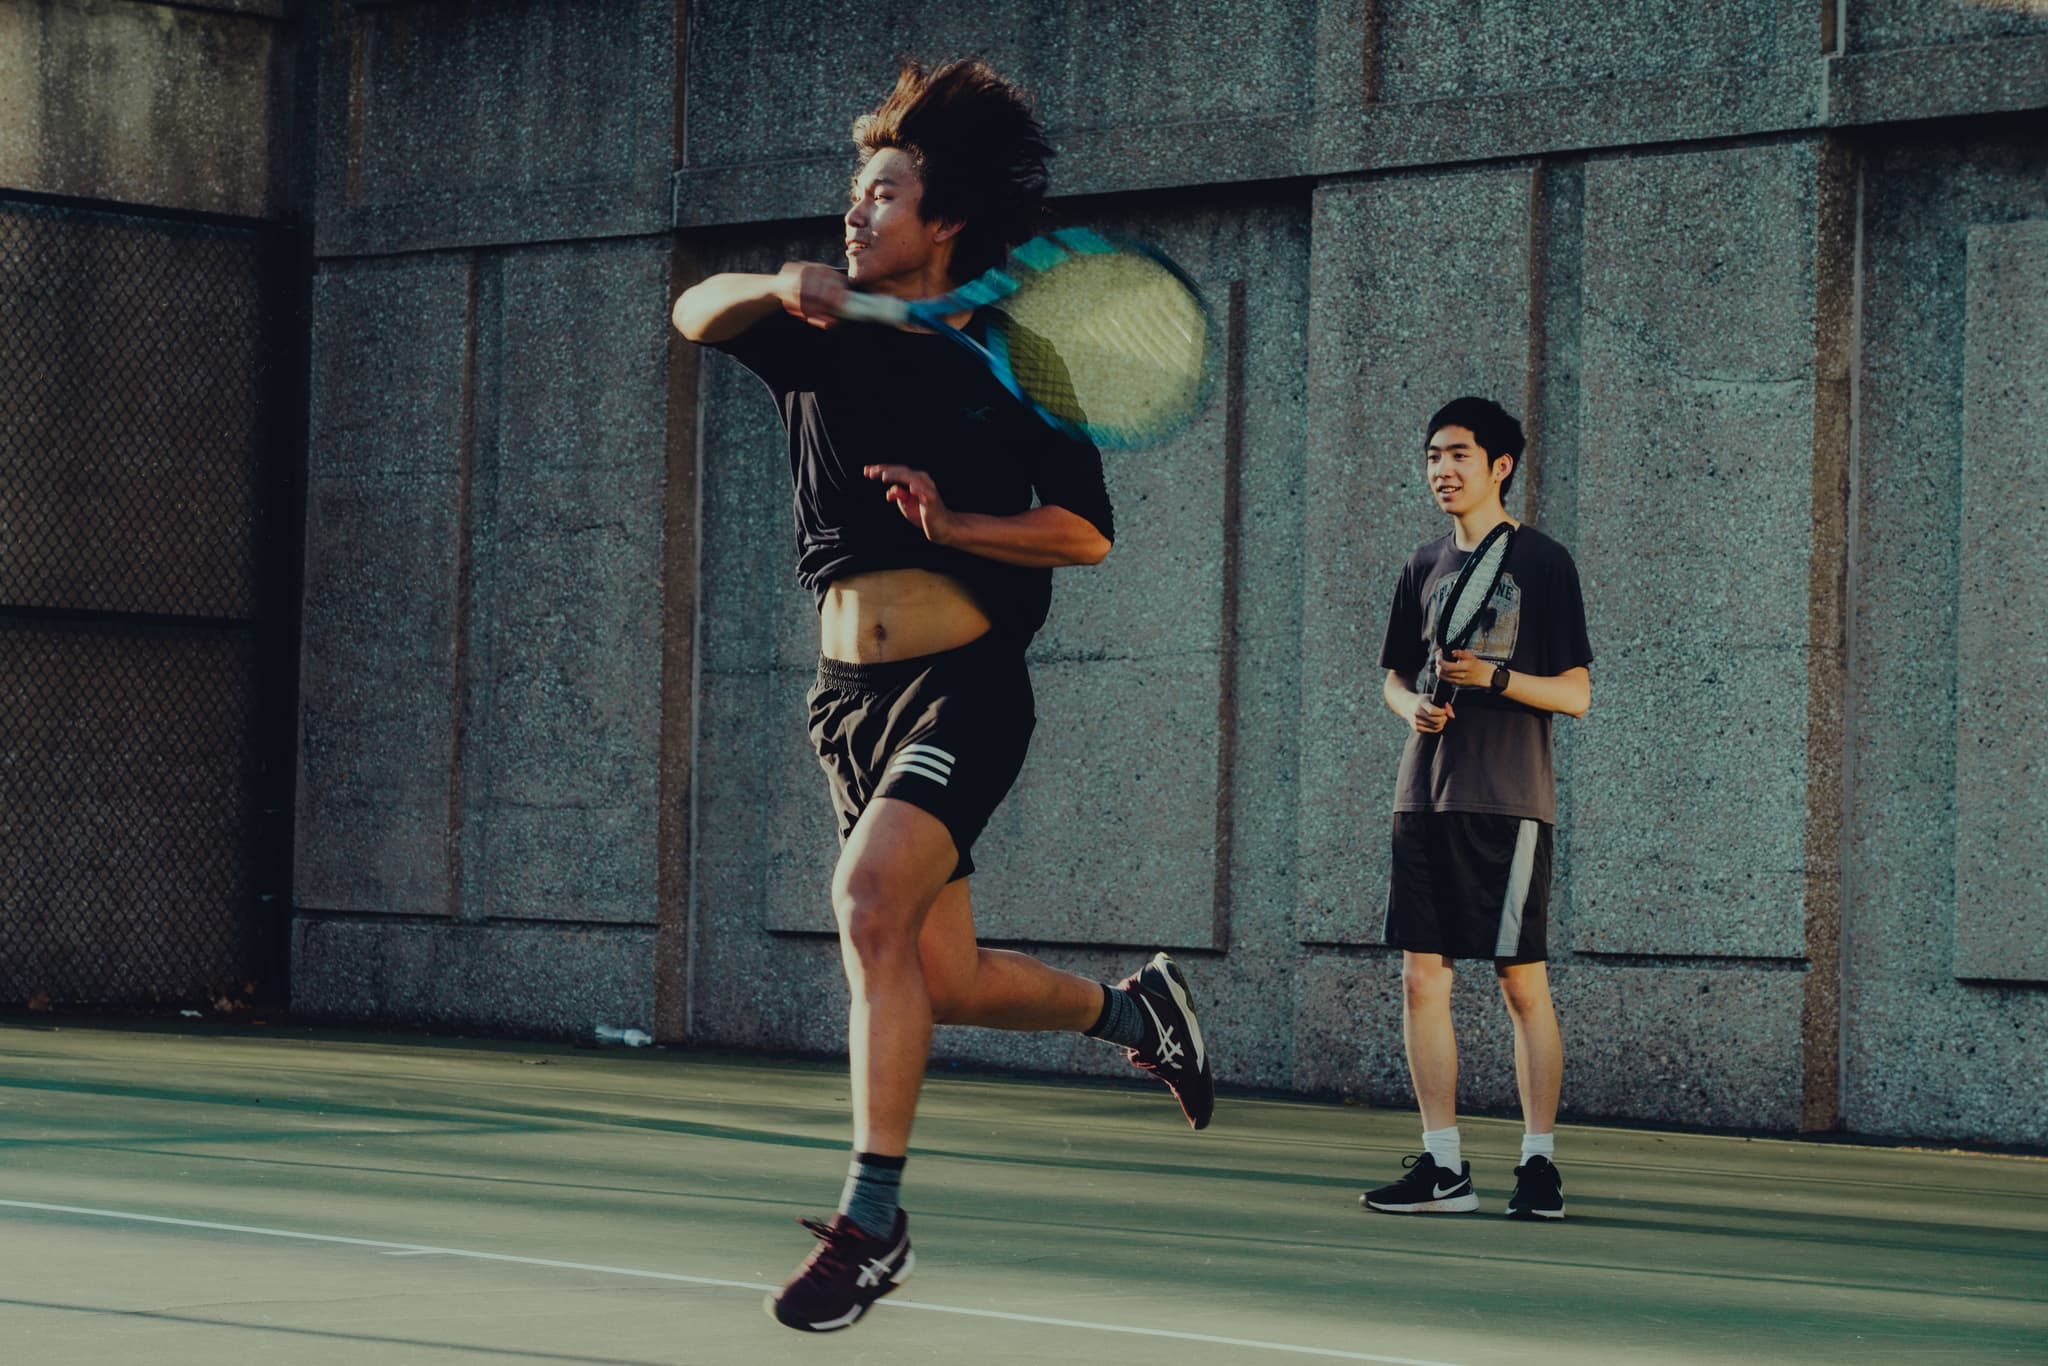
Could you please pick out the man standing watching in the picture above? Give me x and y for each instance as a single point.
(1475, 804)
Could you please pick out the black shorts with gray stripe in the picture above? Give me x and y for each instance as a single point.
(944, 732)
(1470, 885)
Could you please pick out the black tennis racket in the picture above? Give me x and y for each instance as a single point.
(1465, 605)
(1103, 337)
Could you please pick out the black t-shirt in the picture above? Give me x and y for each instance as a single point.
(854, 396)
(1494, 756)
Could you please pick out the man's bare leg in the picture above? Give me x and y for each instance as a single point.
(1438, 1183)
(1149, 1014)
(1427, 1035)
(1539, 1049)
(1539, 1075)
(894, 867)
(996, 988)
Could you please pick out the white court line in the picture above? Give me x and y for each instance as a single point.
(419, 1249)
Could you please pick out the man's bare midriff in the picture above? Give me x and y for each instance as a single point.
(897, 614)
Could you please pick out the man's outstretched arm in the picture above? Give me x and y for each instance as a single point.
(723, 306)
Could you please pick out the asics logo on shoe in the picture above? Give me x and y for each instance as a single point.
(874, 1272)
(1168, 1049)
(1187, 1010)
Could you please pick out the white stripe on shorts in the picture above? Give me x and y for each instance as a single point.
(918, 768)
(1517, 898)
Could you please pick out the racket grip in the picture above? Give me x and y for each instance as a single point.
(874, 308)
(1442, 693)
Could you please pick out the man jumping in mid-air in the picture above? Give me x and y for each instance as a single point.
(915, 473)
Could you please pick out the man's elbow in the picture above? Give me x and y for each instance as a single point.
(688, 319)
(1093, 551)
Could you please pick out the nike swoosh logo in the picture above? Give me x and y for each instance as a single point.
(1439, 1192)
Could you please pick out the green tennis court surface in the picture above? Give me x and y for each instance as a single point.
(285, 1197)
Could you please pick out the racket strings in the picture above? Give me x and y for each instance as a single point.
(1472, 593)
(1466, 609)
(1114, 343)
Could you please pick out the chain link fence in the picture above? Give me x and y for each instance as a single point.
(147, 607)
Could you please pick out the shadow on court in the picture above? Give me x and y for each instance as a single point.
(287, 1197)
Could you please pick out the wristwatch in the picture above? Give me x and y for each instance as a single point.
(1499, 682)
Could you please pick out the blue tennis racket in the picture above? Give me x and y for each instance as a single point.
(1103, 337)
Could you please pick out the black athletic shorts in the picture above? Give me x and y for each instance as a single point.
(944, 732)
(1469, 885)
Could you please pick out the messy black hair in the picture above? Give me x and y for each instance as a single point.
(1493, 429)
(978, 148)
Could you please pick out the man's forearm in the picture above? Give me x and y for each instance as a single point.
(1041, 538)
(724, 306)
(1399, 697)
(1570, 692)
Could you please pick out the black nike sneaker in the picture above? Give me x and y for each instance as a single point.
(1173, 1050)
(1426, 1189)
(845, 1274)
(1539, 1190)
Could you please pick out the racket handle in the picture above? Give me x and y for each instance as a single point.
(874, 308)
(1442, 693)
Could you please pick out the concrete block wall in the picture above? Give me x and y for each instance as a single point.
(178, 107)
(1740, 267)
(495, 723)
(1944, 1016)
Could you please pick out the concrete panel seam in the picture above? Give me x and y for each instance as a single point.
(1226, 653)
(358, 73)
(1043, 948)
(1890, 86)
(1827, 571)
(465, 551)
(1852, 591)
(681, 590)
(1685, 110)
(1746, 962)
(1533, 377)
(245, 9)
(1369, 54)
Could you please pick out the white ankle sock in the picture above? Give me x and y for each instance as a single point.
(1539, 1145)
(1444, 1146)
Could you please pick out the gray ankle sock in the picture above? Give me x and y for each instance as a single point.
(1121, 1022)
(870, 1195)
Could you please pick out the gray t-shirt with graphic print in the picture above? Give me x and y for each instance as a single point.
(1495, 755)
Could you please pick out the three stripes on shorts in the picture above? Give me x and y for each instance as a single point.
(926, 761)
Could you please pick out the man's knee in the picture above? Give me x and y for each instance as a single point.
(1425, 979)
(1526, 993)
(875, 917)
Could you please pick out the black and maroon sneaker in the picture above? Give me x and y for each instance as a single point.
(1173, 1050)
(845, 1274)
